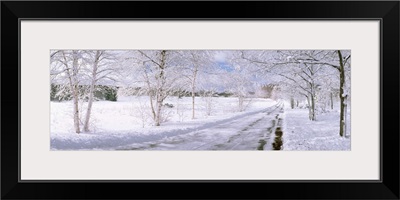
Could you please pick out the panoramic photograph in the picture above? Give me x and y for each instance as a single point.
(203, 100)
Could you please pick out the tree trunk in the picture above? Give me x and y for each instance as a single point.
(313, 117)
(153, 112)
(292, 102)
(342, 96)
(91, 92)
(309, 108)
(193, 102)
(159, 110)
(331, 101)
(241, 100)
(160, 93)
(75, 94)
(193, 92)
(345, 117)
(151, 96)
(73, 87)
(76, 110)
(89, 109)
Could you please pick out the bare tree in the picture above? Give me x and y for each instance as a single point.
(65, 70)
(336, 60)
(240, 84)
(208, 98)
(321, 58)
(197, 62)
(154, 73)
(102, 67)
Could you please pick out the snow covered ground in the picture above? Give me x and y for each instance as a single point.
(126, 125)
(250, 131)
(121, 124)
(301, 134)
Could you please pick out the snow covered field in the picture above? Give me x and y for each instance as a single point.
(119, 126)
(303, 135)
(120, 123)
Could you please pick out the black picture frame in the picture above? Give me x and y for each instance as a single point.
(385, 11)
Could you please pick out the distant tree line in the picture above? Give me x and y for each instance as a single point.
(101, 92)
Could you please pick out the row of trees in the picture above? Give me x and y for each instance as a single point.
(308, 74)
(157, 74)
(161, 73)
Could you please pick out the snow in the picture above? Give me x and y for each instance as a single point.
(301, 134)
(220, 123)
(238, 133)
(116, 124)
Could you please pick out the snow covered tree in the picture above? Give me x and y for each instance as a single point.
(343, 90)
(153, 73)
(309, 62)
(101, 68)
(197, 63)
(337, 59)
(240, 78)
(66, 66)
(208, 99)
(76, 74)
(240, 86)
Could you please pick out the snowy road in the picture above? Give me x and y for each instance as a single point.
(252, 132)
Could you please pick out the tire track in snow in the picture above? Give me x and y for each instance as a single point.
(135, 141)
(264, 133)
(242, 139)
(224, 136)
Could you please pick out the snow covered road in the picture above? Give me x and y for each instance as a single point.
(248, 132)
